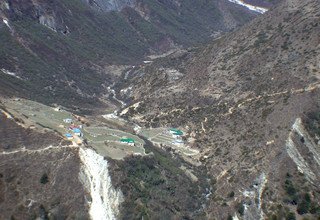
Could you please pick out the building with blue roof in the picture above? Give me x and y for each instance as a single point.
(77, 132)
(69, 136)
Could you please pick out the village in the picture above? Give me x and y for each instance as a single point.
(77, 132)
(163, 137)
(95, 132)
(77, 129)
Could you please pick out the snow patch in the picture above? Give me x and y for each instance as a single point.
(10, 73)
(6, 22)
(7, 6)
(48, 21)
(95, 177)
(250, 7)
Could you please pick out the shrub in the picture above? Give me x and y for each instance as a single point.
(43, 214)
(303, 207)
(231, 194)
(291, 216)
(240, 209)
(44, 179)
(290, 188)
(314, 208)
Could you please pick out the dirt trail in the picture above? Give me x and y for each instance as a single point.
(311, 87)
(24, 150)
(6, 114)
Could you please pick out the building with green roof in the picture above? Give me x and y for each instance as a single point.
(129, 141)
(176, 132)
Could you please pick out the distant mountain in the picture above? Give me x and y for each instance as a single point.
(249, 101)
(262, 3)
(57, 51)
(259, 6)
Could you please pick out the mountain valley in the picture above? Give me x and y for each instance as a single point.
(152, 109)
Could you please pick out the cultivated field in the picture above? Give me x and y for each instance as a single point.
(107, 142)
(162, 136)
(42, 115)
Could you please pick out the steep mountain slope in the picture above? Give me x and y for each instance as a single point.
(57, 51)
(155, 187)
(246, 101)
(110, 5)
(38, 176)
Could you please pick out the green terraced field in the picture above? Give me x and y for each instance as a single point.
(162, 136)
(99, 133)
(105, 140)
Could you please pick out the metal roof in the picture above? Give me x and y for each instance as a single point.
(176, 131)
(127, 140)
(76, 130)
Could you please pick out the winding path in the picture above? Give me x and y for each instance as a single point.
(24, 150)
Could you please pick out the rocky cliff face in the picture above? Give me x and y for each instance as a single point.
(105, 200)
(300, 144)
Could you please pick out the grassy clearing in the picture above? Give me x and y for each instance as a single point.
(158, 135)
(40, 114)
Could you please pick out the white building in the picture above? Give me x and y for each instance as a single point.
(67, 120)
